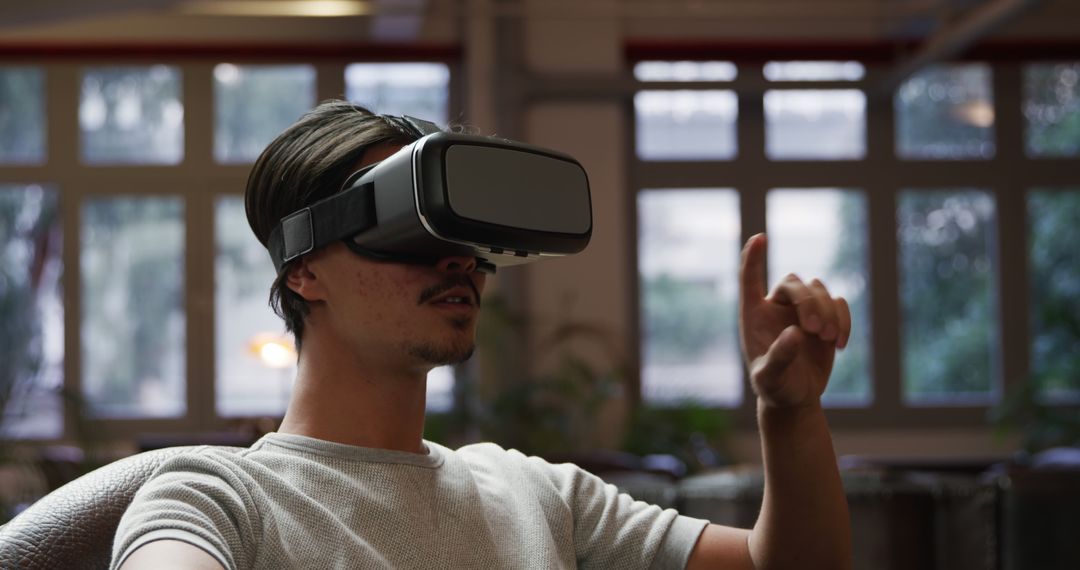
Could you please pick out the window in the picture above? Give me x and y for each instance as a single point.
(172, 284)
(255, 362)
(133, 317)
(32, 327)
(822, 232)
(1055, 292)
(814, 71)
(1052, 110)
(22, 115)
(254, 103)
(685, 71)
(947, 295)
(416, 89)
(688, 251)
(915, 243)
(946, 112)
(815, 124)
(131, 115)
(686, 124)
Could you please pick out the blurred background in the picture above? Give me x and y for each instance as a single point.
(921, 156)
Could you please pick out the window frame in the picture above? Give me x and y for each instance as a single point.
(881, 175)
(198, 180)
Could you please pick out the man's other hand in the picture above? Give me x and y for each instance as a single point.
(789, 337)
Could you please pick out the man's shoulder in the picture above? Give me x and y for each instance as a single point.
(493, 457)
(489, 452)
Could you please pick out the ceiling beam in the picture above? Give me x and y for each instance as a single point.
(38, 12)
(397, 20)
(953, 38)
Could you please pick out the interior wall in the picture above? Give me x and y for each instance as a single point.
(589, 287)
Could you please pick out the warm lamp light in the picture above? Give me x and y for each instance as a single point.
(279, 8)
(975, 113)
(275, 351)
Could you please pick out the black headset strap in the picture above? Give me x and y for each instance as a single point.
(340, 216)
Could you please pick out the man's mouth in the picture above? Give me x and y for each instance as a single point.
(458, 291)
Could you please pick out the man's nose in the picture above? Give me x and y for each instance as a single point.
(457, 264)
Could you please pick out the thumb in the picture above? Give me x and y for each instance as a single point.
(767, 369)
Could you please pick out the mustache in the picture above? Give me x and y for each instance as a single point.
(452, 281)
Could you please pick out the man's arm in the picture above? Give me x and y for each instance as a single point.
(196, 507)
(170, 554)
(789, 339)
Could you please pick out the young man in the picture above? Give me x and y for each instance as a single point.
(349, 482)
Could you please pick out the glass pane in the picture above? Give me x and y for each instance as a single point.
(1055, 292)
(946, 112)
(685, 71)
(255, 362)
(22, 115)
(255, 359)
(686, 125)
(815, 125)
(948, 296)
(1052, 109)
(31, 313)
(133, 320)
(822, 233)
(131, 115)
(253, 104)
(688, 263)
(415, 89)
(440, 389)
(814, 71)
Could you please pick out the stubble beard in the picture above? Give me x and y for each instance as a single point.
(450, 352)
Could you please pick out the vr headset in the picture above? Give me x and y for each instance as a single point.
(502, 202)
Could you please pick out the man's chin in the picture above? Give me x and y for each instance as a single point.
(442, 355)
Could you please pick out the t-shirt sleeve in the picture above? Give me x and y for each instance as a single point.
(195, 498)
(612, 530)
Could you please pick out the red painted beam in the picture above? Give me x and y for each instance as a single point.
(275, 52)
(866, 51)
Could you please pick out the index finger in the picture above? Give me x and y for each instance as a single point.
(752, 271)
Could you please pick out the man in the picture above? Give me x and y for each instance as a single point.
(348, 481)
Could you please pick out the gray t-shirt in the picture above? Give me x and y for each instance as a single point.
(296, 502)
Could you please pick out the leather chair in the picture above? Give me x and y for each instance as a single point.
(73, 527)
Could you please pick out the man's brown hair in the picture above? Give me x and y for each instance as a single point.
(306, 163)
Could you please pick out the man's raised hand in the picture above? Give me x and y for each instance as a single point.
(789, 338)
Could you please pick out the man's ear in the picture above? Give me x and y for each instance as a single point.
(304, 281)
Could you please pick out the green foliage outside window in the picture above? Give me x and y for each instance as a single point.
(851, 376)
(1052, 109)
(1054, 283)
(253, 104)
(29, 235)
(945, 112)
(132, 115)
(132, 310)
(947, 294)
(681, 319)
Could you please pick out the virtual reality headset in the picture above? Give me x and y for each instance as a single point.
(446, 194)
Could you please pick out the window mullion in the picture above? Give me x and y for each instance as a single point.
(748, 181)
(62, 149)
(329, 81)
(198, 163)
(1013, 301)
(880, 168)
